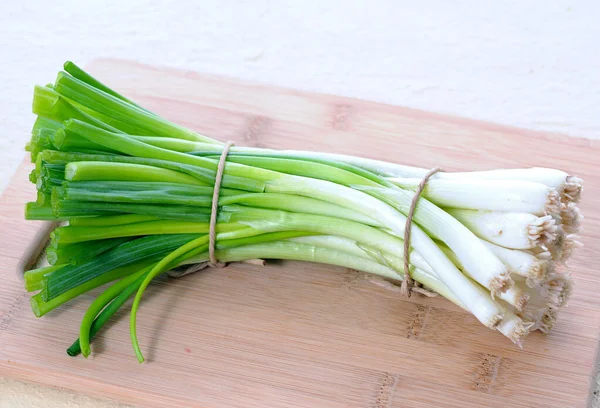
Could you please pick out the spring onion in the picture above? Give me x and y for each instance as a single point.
(136, 193)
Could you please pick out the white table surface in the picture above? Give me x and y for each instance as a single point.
(533, 64)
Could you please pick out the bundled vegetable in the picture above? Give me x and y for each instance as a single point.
(141, 196)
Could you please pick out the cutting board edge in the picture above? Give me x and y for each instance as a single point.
(416, 112)
(114, 393)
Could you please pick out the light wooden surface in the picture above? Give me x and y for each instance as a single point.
(296, 334)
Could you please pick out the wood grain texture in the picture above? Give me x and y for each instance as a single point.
(297, 334)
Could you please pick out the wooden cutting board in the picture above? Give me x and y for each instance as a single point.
(297, 334)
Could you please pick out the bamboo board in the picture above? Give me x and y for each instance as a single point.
(296, 334)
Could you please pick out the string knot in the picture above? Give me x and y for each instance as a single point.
(408, 284)
(212, 230)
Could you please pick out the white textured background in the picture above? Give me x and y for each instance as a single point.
(533, 64)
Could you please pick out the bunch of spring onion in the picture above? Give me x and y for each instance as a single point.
(134, 193)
